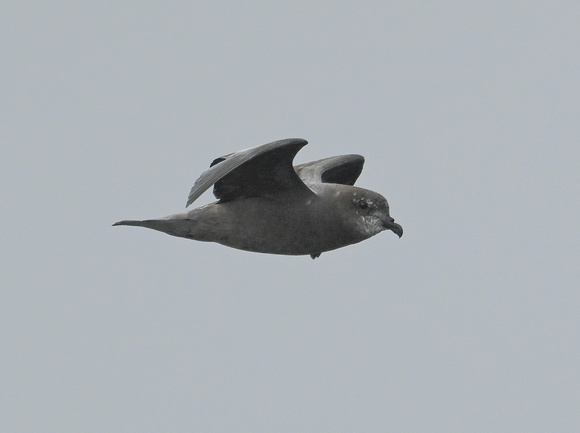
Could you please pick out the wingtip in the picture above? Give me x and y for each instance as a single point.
(301, 141)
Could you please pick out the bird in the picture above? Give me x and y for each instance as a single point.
(267, 205)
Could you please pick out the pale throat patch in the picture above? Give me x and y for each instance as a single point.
(370, 225)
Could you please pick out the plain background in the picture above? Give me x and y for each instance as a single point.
(468, 114)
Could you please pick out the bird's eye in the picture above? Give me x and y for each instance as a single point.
(363, 204)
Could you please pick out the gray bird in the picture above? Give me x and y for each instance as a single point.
(266, 205)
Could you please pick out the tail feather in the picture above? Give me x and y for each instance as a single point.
(156, 224)
(171, 226)
(130, 223)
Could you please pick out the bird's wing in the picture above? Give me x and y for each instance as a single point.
(344, 169)
(258, 171)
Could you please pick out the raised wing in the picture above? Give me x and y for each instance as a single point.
(343, 169)
(258, 171)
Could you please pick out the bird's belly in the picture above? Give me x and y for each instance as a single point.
(275, 228)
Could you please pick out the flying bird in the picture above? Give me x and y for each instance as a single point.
(267, 205)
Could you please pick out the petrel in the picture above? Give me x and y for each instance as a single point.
(267, 205)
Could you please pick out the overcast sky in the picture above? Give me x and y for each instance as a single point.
(468, 114)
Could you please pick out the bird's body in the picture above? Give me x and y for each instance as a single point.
(272, 207)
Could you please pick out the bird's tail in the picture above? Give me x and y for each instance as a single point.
(131, 223)
(155, 224)
(175, 225)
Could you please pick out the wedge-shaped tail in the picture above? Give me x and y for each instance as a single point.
(163, 225)
(146, 223)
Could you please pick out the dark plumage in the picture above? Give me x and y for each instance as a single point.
(266, 205)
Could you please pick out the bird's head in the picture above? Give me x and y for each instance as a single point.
(371, 213)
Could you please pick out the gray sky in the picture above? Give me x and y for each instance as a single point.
(468, 116)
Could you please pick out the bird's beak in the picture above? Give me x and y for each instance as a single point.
(394, 227)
